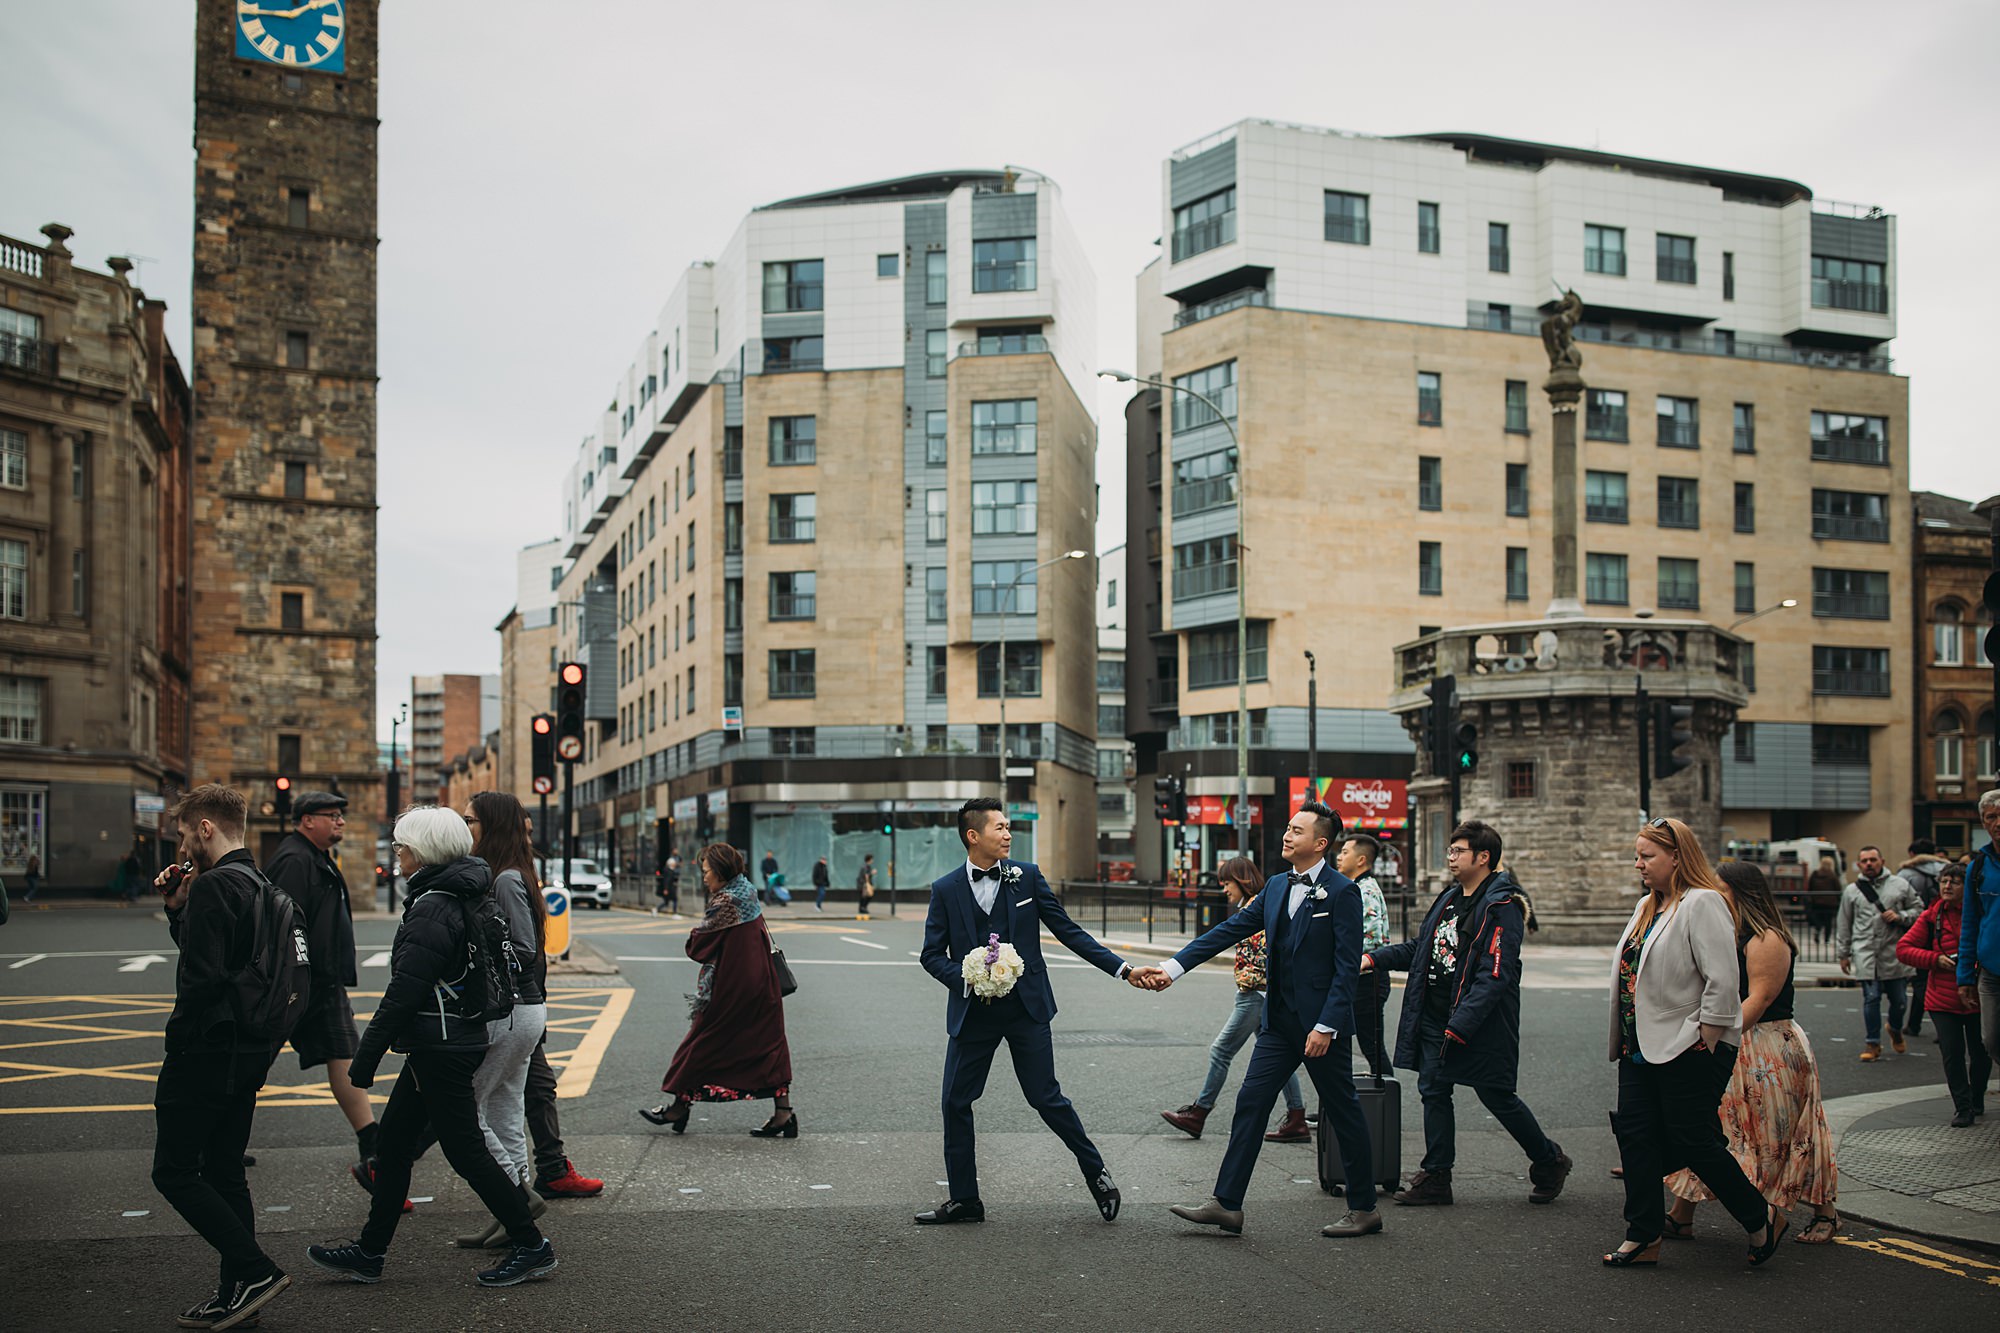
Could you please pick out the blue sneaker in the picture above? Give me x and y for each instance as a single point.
(351, 1260)
(522, 1264)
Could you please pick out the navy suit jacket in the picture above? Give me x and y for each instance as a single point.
(1321, 947)
(1026, 904)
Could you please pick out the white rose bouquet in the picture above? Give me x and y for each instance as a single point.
(992, 971)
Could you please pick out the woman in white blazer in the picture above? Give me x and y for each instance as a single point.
(1676, 1020)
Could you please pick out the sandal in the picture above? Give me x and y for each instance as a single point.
(1644, 1256)
(1774, 1231)
(1678, 1230)
(1820, 1231)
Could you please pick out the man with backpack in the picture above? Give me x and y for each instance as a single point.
(448, 977)
(216, 1054)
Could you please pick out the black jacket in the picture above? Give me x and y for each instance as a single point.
(418, 1011)
(212, 929)
(1483, 1031)
(314, 883)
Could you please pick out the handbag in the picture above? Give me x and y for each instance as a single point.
(787, 983)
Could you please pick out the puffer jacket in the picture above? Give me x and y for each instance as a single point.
(1936, 934)
(1483, 1031)
(420, 1009)
(1865, 938)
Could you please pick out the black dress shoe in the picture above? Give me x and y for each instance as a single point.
(953, 1210)
(1106, 1193)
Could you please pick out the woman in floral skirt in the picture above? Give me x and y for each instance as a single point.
(1771, 1112)
(735, 1047)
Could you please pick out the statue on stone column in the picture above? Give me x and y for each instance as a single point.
(1558, 333)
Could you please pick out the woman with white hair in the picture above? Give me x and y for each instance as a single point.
(424, 1015)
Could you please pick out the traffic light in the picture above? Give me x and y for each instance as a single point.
(1673, 732)
(1465, 741)
(704, 825)
(282, 807)
(1170, 800)
(1438, 730)
(1991, 596)
(1180, 802)
(542, 748)
(569, 712)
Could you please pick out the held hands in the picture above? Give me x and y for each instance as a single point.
(1367, 963)
(1149, 978)
(1317, 1044)
(1969, 996)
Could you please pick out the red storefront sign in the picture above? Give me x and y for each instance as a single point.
(1217, 809)
(1361, 803)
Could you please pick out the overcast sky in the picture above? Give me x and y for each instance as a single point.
(549, 168)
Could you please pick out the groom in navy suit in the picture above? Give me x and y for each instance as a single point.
(991, 895)
(1311, 920)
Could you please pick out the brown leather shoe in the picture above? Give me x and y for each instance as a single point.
(1547, 1177)
(1189, 1120)
(1426, 1188)
(1354, 1224)
(1292, 1129)
(1871, 1051)
(1896, 1041)
(1211, 1214)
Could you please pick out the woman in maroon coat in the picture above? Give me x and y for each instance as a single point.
(1931, 946)
(735, 1047)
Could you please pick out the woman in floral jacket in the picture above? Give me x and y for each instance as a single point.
(1240, 885)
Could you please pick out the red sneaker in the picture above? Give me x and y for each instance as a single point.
(364, 1175)
(570, 1185)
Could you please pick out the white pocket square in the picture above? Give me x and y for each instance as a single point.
(1024, 902)
(1318, 915)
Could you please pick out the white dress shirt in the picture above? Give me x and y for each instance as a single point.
(986, 890)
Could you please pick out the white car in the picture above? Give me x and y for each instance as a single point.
(587, 884)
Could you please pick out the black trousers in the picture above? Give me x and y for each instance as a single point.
(1915, 1018)
(551, 1160)
(1280, 1050)
(1372, 1004)
(434, 1094)
(202, 1108)
(1668, 1117)
(1967, 1066)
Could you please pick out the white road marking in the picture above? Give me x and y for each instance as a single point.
(278, 1208)
(142, 962)
(820, 1187)
(376, 959)
(31, 958)
(866, 944)
(689, 1190)
(137, 1212)
(422, 1198)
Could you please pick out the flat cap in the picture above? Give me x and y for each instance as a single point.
(317, 803)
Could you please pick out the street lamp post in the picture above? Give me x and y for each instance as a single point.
(1242, 635)
(1785, 605)
(1006, 602)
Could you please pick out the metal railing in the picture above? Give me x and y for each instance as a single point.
(1021, 346)
(1606, 425)
(793, 529)
(1209, 737)
(786, 365)
(1852, 605)
(793, 606)
(1680, 514)
(1831, 294)
(794, 684)
(1194, 497)
(1014, 275)
(1352, 231)
(1164, 696)
(1204, 580)
(1430, 408)
(1735, 345)
(1606, 512)
(1204, 235)
(1744, 440)
(36, 356)
(1848, 528)
(1679, 597)
(1208, 670)
(1499, 259)
(794, 453)
(1678, 434)
(1861, 684)
(1429, 240)
(1596, 260)
(1845, 449)
(732, 464)
(794, 296)
(1673, 270)
(1236, 300)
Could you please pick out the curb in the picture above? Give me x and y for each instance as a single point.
(1890, 1210)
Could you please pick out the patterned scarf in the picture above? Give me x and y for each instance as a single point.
(736, 905)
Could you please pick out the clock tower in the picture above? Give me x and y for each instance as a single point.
(284, 429)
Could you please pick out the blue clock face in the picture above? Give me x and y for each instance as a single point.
(304, 34)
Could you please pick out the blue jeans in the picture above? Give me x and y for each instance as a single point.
(1871, 1005)
(1239, 1030)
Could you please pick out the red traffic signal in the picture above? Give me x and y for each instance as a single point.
(284, 784)
(572, 673)
(544, 724)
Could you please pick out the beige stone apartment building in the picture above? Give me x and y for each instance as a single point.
(1365, 310)
(95, 469)
(806, 534)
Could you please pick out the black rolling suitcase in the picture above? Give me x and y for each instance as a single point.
(1382, 1107)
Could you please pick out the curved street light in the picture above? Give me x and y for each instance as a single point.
(1242, 635)
(1785, 605)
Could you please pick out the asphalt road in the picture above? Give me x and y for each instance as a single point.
(717, 1229)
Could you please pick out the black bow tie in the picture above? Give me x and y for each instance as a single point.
(1298, 877)
(991, 872)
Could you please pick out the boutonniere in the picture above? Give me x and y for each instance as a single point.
(1316, 894)
(1012, 874)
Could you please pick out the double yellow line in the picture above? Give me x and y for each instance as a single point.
(1943, 1261)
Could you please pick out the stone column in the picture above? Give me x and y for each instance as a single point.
(1565, 390)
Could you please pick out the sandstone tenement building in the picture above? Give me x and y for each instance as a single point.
(284, 380)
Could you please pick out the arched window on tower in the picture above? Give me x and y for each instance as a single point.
(1989, 763)
(1947, 635)
(1948, 746)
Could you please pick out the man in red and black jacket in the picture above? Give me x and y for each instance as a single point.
(1462, 1014)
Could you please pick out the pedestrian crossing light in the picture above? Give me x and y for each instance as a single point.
(1466, 740)
(1673, 737)
(282, 807)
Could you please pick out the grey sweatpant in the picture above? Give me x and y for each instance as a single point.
(500, 1088)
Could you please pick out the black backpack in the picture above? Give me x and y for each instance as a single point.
(485, 989)
(269, 993)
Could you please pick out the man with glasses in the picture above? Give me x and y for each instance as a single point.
(303, 867)
(1462, 1015)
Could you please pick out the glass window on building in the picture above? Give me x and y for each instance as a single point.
(1843, 437)
(1854, 516)
(1003, 508)
(1499, 254)
(1204, 568)
(937, 671)
(13, 580)
(20, 710)
(1430, 569)
(888, 266)
(794, 673)
(1604, 497)
(1430, 398)
(1430, 482)
(1006, 426)
(1746, 506)
(1215, 383)
(1346, 217)
(937, 604)
(1003, 587)
(23, 828)
(1947, 634)
(1605, 579)
(794, 517)
(1745, 441)
(937, 350)
(794, 595)
(1517, 573)
(937, 516)
(1517, 490)
(936, 280)
(794, 284)
(1604, 250)
(1679, 502)
(1861, 672)
(1429, 236)
(794, 441)
(788, 354)
(1212, 655)
(1604, 416)
(1024, 670)
(1679, 584)
(1674, 258)
(1517, 407)
(1849, 284)
(1004, 265)
(1205, 224)
(1861, 594)
(1679, 422)
(13, 460)
(1746, 587)
(1204, 482)
(936, 446)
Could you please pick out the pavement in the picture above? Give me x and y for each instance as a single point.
(717, 1228)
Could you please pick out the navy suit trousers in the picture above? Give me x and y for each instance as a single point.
(966, 1062)
(1279, 1051)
